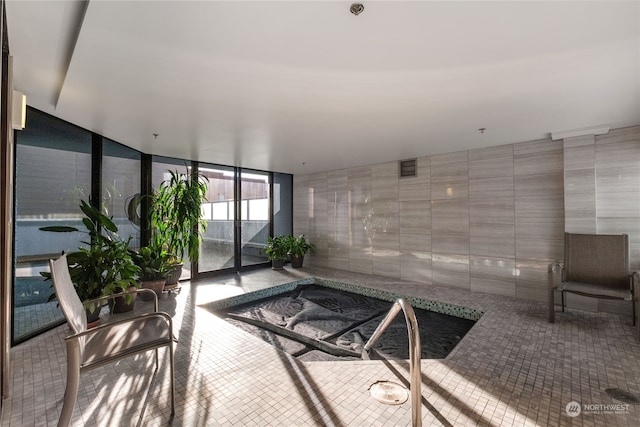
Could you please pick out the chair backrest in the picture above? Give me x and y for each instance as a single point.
(601, 259)
(68, 299)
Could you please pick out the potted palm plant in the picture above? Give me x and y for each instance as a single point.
(298, 248)
(102, 268)
(277, 251)
(176, 219)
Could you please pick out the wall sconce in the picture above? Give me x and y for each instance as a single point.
(19, 110)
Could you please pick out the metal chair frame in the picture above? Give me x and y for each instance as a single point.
(76, 344)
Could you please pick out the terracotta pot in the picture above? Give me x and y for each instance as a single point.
(156, 286)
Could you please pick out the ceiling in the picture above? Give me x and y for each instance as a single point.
(304, 86)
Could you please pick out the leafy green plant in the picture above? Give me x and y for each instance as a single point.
(277, 247)
(175, 215)
(103, 268)
(154, 263)
(299, 246)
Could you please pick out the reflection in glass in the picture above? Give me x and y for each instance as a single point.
(217, 248)
(53, 173)
(120, 185)
(282, 204)
(254, 211)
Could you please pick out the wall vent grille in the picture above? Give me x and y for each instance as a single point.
(407, 168)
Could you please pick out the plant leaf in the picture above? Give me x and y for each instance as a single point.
(107, 223)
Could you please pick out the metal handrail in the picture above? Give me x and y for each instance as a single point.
(414, 353)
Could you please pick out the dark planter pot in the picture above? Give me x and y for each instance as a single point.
(156, 286)
(93, 319)
(175, 275)
(277, 264)
(296, 261)
(119, 304)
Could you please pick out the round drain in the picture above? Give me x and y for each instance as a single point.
(623, 396)
(389, 392)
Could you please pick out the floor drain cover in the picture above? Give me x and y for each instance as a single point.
(623, 396)
(389, 393)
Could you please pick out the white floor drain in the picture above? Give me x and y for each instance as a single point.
(389, 392)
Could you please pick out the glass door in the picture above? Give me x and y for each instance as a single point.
(217, 251)
(255, 211)
(238, 212)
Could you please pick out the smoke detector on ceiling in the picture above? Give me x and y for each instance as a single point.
(356, 8)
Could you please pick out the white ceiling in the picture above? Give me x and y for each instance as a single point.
(303, 87)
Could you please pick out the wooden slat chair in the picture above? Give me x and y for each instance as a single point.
(597, 266)
(87, 349)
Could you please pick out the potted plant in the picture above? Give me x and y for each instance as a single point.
(102, 268)
(176, 218)
(277, 251)
(154, 269)
(298, 248)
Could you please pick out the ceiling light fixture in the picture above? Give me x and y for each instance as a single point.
(481, 130)
(356, 8)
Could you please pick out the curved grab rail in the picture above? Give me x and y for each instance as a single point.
(414, 353)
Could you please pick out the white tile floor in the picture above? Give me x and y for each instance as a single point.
(512, 368)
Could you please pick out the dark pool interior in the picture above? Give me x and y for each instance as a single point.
(316, 323)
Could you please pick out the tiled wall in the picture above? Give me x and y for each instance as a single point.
(487, 220)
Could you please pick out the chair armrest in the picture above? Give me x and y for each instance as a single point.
(99, 328)
(121, 294)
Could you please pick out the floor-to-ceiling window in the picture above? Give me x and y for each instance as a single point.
(254, 216)
(239, 216)
(53, 173)
(121, 189)
(161, 171)
(59, 164)
(237, 211)
(217, 251)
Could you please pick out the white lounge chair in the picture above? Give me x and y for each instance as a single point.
(91, 348)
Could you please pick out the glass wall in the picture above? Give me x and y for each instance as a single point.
(160, 171)
(163, 165)
(254, 216)
(217, 251)
(53, 173)
(121, 189)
